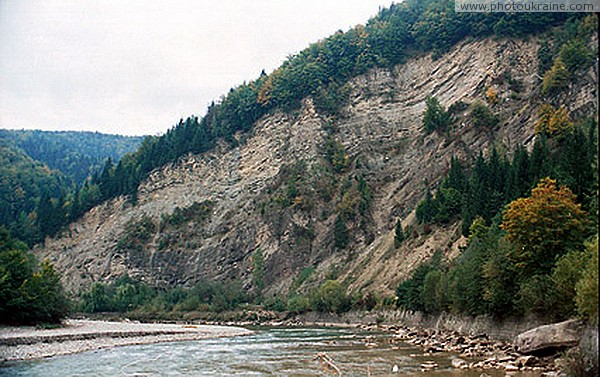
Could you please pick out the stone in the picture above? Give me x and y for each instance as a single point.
(509, 367)
(458, 363)
(549, 338)
(528, 361)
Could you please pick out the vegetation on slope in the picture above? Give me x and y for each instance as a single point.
(78, 155)
(29, 293)
(41, 171)
(321, 71)
(529, 249)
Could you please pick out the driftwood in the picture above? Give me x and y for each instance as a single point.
(327, 361)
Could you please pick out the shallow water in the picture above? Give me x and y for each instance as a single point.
(269, 352)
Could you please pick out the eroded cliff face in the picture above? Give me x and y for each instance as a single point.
(280, 191)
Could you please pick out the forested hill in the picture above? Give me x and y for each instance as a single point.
(78, 155)
(40, 170)
(322, 71)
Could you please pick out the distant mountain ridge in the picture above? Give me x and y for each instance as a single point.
(77, 154)
(38, 170)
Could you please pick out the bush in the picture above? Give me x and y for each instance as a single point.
(575, 55)
(28, 294)
(566, 274)
(538, 296)
(556, 78)
(587, 287)
(435, 117)
(330, 297)
(482, 116)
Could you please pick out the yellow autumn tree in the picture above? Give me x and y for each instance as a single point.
(491, 95)
(556, 78)
(552, 121)
(543, 227)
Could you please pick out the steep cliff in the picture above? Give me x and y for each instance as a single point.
(283, 189)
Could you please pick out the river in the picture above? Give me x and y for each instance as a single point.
(268, 352)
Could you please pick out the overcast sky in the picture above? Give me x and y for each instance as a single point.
(137, 67)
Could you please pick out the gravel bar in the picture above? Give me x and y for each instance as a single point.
(28, 343)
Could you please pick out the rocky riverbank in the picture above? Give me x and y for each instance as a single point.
(28, 343)
(473, 352)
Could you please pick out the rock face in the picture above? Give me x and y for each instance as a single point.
(275, 193)
(549, 338)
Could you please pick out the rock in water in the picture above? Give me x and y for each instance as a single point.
(549, 338)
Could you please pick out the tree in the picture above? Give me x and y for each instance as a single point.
(587, 287)
(553, 121)
(340, 233)
(543, 227)
(398, 234)
(436, 117)
(28, 294)
(482, 116)
(556, 78)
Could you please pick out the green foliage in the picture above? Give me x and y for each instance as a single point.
(556, 79)
(575, 55)
(330, 99)
(336, 154)
(341, 237)
(398, 234)
(434, 291)
(128, 295)
(330, 297)
(566, 274)
(436, 118)
(410, 292)
(197, 212)
(29, 293)
(494, 181)
(78, 155)
(482, 116)
(587, 287)
(137, 233)
(537, 295)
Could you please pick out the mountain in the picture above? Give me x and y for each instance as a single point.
(315, 192)
(43, 169)
(23, 181)
(78, 155)
(432, 160)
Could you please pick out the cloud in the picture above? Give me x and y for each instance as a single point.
(137, 67)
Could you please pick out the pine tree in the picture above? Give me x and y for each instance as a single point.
(398, 234)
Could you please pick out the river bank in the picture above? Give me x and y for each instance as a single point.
(29, 343)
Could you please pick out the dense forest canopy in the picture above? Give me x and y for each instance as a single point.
(38, 170)
(78, 155)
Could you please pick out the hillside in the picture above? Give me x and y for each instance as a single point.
(315, 195)
(41, 172)
(78, 155)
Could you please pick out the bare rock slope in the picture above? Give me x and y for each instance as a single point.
(204, 217)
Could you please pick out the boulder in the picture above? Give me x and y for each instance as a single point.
(549, 338)
(459, 363)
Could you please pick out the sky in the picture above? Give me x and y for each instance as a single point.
(137, 67)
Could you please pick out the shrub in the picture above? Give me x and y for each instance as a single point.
(482, 116)
(587, 287)
(330, 297)
(566, 274)
(435, 117)
(575, 55)
(556, 78)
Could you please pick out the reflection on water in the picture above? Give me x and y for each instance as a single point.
(269, 352)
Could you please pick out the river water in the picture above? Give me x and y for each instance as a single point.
(268, 352)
